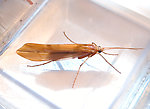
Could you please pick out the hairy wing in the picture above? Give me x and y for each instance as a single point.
(45, 52)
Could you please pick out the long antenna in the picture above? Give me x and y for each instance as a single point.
(108, 48)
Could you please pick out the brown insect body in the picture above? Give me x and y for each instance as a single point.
(46, 52)
(55, 52)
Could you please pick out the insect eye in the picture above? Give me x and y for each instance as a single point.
(99, 51)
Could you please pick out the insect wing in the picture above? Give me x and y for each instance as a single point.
(45, 52)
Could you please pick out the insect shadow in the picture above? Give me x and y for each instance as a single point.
(62, 79)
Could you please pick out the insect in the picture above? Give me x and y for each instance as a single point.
(55, 52)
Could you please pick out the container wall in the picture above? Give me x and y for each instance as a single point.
(98, 85)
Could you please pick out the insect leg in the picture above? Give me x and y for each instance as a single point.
(109, 63)
(39, 64)
(79, 70)
(69, 38)
(94, 43)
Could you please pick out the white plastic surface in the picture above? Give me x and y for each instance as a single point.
(98, 85)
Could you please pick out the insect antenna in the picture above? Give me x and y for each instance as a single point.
(69, 38)
(109, 53)
(108, 48)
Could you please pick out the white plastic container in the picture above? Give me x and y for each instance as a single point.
(98, 85)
